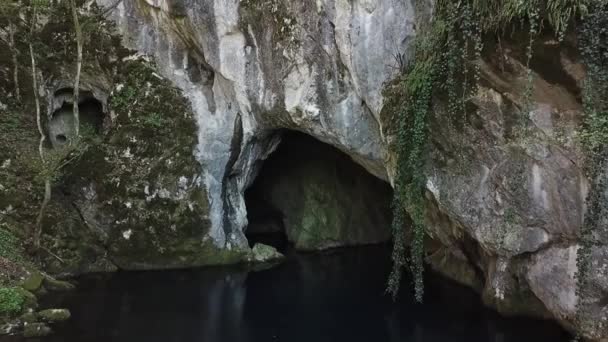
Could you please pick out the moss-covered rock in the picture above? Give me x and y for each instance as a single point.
(140, 190)
(264, 253)
(29, 317)
(55, 315)
(30, 301)
(31, 330)
(33, 282)
(132, 196)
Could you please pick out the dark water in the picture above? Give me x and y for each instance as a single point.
(337, 296)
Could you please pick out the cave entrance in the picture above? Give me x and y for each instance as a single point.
(90, 114)
(312, 196)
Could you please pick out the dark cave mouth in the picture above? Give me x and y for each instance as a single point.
(311, 196)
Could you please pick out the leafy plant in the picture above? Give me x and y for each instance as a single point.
(154, 120)
(11, 301)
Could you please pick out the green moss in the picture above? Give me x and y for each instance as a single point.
(322, 218)
(145, 173)
(142, 253)
(265, 253)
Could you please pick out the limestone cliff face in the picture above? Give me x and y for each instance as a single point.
(505, 205)
(250, 68)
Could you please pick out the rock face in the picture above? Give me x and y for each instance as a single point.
(320, 197)
(508, 199)
(504, 205)
(251, 68)
(138, 191)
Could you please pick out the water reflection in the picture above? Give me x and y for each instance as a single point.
(337, 296)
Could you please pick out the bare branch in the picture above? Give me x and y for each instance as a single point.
(76, 91)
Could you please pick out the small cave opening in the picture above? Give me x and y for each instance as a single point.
(61, 138)
(61, 125)
(310, 196)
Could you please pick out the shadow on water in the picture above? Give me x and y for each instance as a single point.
(335, 296)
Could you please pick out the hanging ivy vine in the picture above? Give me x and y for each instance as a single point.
(447, 61)
(418, 84)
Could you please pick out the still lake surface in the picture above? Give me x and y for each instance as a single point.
(333, 296)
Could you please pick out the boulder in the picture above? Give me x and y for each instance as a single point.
(265, 253)
(33, 282)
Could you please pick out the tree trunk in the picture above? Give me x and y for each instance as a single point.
(37, 103)
(47, 182)
(76, 93)
(13, 47)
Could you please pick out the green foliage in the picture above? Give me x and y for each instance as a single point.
(153, 119)
(11, 301)
(444, 53)
(145, 98)
(593, 44)
(495, 15)
(410, 180)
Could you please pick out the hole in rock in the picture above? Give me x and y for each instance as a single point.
(313, 196)
(61, 125)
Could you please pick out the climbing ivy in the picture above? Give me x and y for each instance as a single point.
(593, 45)
(447, 62)
(410, 180)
